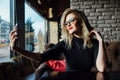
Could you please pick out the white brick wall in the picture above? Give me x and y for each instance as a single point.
(103, 15)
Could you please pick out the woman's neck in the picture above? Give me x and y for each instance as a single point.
(78, 36)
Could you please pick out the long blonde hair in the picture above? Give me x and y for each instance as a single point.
(86, 28)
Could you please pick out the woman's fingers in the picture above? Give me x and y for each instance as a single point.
(94, 32)
(13, 36)
(97, 34)
(13, 32)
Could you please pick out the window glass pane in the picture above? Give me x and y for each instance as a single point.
(34, 30)
(4, 30)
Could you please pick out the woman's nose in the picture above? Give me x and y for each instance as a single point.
(69, 24)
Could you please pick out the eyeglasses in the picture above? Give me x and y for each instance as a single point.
(70, 21)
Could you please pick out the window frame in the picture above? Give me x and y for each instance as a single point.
(17, 16)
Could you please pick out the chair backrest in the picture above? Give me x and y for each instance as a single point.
(113, 54)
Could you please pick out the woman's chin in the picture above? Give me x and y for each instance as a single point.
(70, 32)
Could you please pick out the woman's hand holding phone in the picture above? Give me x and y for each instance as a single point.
(13, 37)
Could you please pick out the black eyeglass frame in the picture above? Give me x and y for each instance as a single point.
(70, 21)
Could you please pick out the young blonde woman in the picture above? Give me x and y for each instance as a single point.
(82, 51)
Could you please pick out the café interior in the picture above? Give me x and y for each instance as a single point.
(51, 11)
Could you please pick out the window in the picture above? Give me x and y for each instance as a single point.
(4, 30)
(34, 30)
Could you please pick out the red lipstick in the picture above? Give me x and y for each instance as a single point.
(70, 28)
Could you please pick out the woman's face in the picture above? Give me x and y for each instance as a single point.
(71, 24)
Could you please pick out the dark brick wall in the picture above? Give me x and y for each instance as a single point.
(103, 15)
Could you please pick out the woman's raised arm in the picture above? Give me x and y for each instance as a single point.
(27, 54)
(101, 62)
